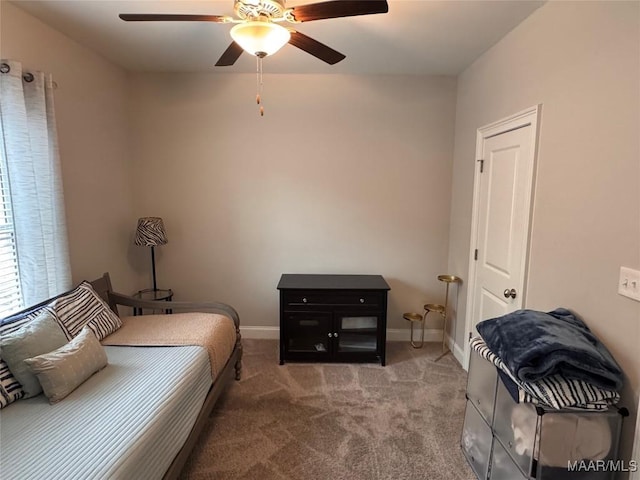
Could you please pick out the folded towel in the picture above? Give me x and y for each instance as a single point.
(553, 392)
(534, 345)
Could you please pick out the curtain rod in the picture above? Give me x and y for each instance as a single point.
(27, 77)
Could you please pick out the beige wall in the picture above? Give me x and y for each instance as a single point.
(581, 61)
(91, 113)
(343, 174)
(353, 174)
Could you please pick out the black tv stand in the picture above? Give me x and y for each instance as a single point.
(333, 318)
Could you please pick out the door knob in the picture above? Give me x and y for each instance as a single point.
(510, 293)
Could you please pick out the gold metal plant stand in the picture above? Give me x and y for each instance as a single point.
(415, 318)
(442, 310)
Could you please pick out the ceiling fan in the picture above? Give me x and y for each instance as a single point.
(258, 30)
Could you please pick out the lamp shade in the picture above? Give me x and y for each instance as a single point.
(150, 232)
(260, 38)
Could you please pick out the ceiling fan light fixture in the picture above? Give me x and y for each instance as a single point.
(260, 38)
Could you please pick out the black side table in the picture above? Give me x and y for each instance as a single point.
(153, 295)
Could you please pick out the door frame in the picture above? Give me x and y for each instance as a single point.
(529, 116)
(635, 455)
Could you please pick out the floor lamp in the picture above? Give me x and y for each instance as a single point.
(151, 233)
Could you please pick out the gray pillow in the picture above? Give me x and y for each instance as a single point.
(62, 371)
(43, 334)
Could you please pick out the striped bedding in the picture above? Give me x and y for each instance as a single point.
(554, 391)
(128, 421)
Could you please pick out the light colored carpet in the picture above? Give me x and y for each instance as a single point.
(337, 421)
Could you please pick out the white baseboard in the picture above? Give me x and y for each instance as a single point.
(267, 333)
(404, 335)
(393, 334)
(458, 353)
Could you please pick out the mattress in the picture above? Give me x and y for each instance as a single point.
(128, 421)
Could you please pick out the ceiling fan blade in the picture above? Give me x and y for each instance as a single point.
(169, 17)
(315, 48)
(230, 55)
(338, 8)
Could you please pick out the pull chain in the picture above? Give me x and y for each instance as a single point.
(259, 84)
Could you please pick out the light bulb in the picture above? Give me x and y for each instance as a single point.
(260, 38)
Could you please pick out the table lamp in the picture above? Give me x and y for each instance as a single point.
(151, 233)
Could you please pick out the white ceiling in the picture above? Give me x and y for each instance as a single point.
(415, 37)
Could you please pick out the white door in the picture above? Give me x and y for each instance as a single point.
(502, 204)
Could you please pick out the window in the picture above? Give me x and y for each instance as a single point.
(34, 256)
(10, 293)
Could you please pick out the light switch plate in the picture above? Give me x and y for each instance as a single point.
(629, 283)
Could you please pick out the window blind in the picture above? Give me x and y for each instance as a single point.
(10, 291)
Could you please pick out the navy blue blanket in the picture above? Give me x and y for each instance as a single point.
(535, 344)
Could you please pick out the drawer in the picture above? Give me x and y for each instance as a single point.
(481, 385)
(543, 445)
(515, 425)
(339, 299)
(502, 466)
(476, 441)
(574, 437)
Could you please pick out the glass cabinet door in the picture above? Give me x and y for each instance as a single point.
(357, 332)
(308, 332)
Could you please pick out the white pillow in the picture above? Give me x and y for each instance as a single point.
(62, 371)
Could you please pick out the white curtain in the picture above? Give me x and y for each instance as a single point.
(29, 134)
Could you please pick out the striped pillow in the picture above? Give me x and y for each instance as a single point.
(10, 388)
(81, 307)
(72, 310)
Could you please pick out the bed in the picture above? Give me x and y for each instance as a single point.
(140, 416)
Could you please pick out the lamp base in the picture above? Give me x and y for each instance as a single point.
(153, 268)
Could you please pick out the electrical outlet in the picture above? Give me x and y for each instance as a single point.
(629, 283)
